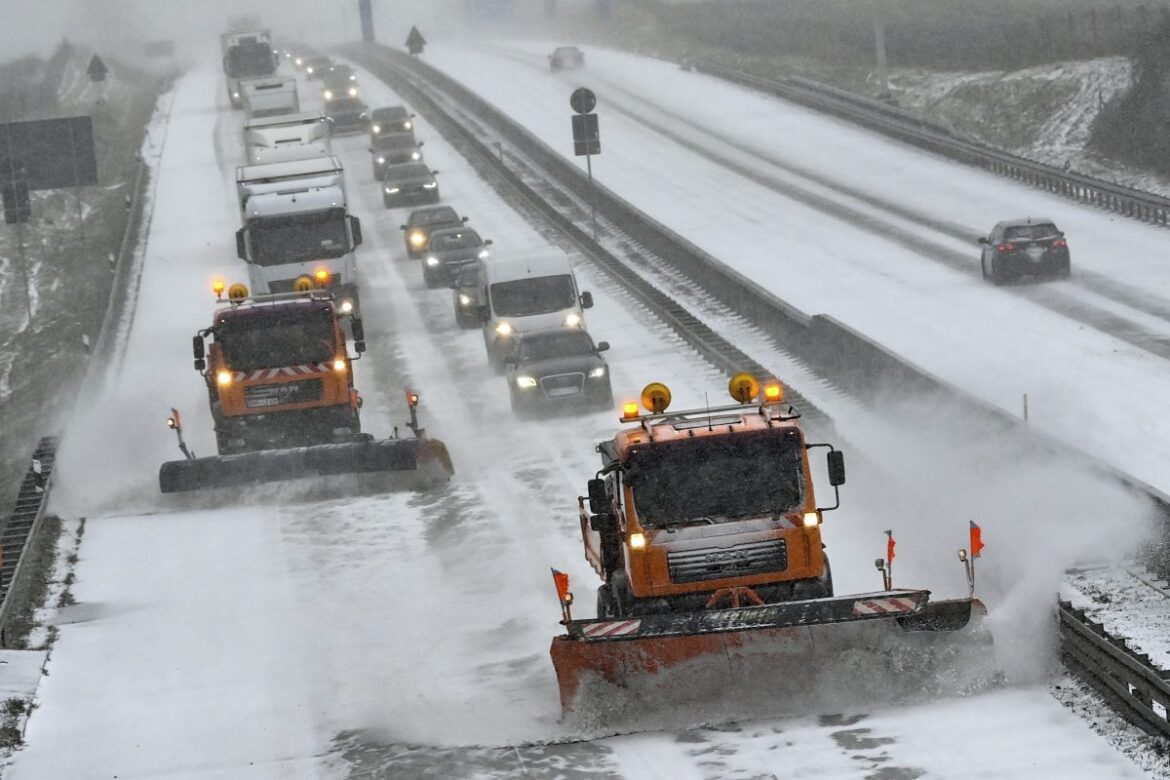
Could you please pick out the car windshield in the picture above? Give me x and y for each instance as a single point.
(345, 104)
(250, 59)
(424, 218)
(390, 114)
(463, 239)
(394, 143)
(296, 239)
(410, 171)
(535, 295)
(714, 479)
(271, 342)
(550, 346)
(468, 276)
(1030, 232)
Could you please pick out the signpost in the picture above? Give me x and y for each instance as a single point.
(97, 69)
(415, 42)
(366, 14)
(586, 141)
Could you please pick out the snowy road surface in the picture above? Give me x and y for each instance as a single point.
(408, 633)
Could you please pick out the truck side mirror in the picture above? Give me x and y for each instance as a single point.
(434, 173)
(836, 461)
(358, 330)
(603, 346)
(598, 498)
(197, 347)
(359, 346)
(421, 144)
(402, 227)
(464, 219)
(488, 242)
(586, 300)
(355, 227)
(241, 244)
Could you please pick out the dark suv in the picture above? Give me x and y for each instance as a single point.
(422, 222)
(1024, 247)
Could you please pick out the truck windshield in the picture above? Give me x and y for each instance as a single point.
(250, 59)
(299, 238)
(535, 295)
(274, 342)
(714, 479)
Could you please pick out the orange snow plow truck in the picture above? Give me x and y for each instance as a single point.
(706, 532)
(280, 384)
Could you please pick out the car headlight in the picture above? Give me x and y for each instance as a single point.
(430, 185)
(346, 307)
(353, 77)
(376, 128)
(415, 156)
(309, 70)
(464, 299)
(597, 373)
(353, 91)
(236, 95)
(417, 238)
(483, 254)
(525, 382)
(381, 161)
(328, 94)
(407, 125)
(573, 320)
(301, 62)
(432, 260)
(391, 190)
(504, 329)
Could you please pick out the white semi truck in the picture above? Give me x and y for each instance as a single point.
(273, 96)
(297, 228)
(246, 55)
(290, 137)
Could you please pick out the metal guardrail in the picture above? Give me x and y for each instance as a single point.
(23, 526)
(1127, 679)
(910, 128)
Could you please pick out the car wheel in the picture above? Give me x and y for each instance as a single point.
(983, 268)
(519, 408)
(998, 278)
(1065, 272)
(430, 278)
(386, 201)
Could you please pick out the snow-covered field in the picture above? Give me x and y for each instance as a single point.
(406, 635)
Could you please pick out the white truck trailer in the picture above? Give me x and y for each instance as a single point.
(273, 96)
(290, 137)
(296, 227)
(246, 55)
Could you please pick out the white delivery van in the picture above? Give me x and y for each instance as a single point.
(274, 96)
(291, 137)
(530, 292)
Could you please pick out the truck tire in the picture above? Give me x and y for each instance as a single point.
(604, 603)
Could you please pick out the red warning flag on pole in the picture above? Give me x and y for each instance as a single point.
(890, 545)
(561, 580)
(976, 539)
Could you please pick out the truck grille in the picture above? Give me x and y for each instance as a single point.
(286, 285)
(260, 396)
(741, 560)
(559, 385)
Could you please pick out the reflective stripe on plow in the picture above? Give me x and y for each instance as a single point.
(883, 606)
(615, 628)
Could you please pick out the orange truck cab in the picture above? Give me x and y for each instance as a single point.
(278, 371)
(696, 509)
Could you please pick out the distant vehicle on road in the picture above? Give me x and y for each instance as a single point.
(409, 183)
(317, 67)
(346, 115)
(393, 150)
(449, 250)
(555, 367)
(1024, 247)
(465, 296)
(390, 120)
(566, 58)
(422, 222)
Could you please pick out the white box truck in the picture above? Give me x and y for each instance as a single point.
(297, 228)
(290, 137)
(246, 55)
(270, 96)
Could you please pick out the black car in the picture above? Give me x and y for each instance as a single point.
(1025, 247)
(465, 295)
(346, 115)
(317, 67)
(422, 222)
(391, 120)
(393, 150)
(566, 58)
(448, 250)
(409, 183)
(554, 367)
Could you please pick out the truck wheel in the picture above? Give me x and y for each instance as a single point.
(621, 599)
(604, 603)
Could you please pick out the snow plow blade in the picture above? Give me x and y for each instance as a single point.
(757, 644)
(427, 458)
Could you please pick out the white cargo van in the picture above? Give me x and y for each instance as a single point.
(519, 294)
(291, 137)
(274, 96)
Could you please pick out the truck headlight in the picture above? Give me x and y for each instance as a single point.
(432, 261)
(391, 190)
(381, 161)
(525, 382)
(415, 156)
(637, 541)
(573, 320)
(597, 373)
(504, 328)
(236, 95)
(483, 254)
(464, 299)
(339, 364)
(223, 378)
(353, 77)
(407, 125)
(377, 129)
(309, 70)
(353, 91)
(301, 62)
(417, 237)
(430, 185)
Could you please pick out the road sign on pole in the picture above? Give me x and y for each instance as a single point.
(583, 100)
(586, 141)
(586, 136)
(415, 41)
